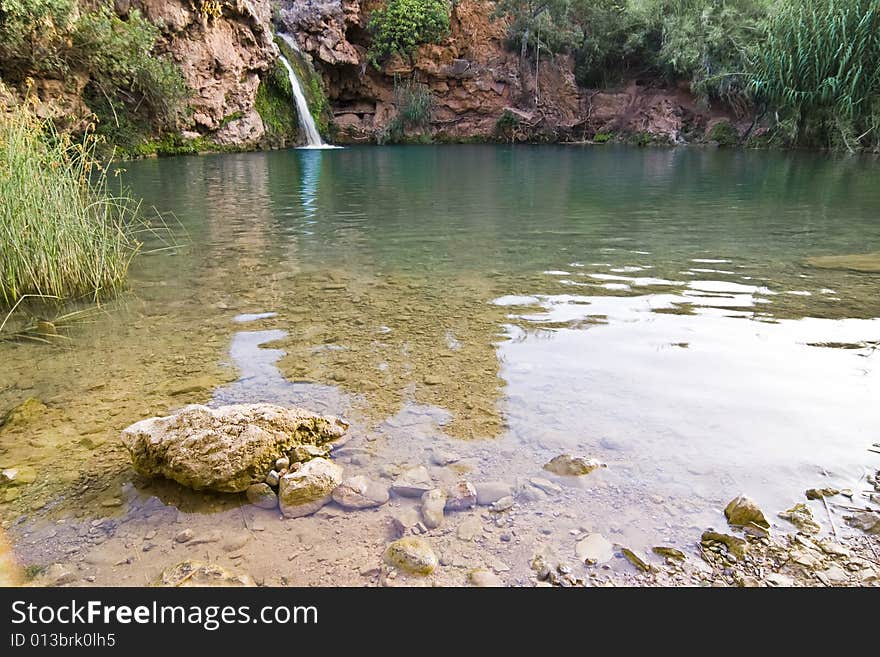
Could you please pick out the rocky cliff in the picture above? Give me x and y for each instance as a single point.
(480, 89)
(222, 56)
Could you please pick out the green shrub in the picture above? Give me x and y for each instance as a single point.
(414, 103)
(602, 137)
(401, 26)
(724, 134)
(506, 125)
(62, 233)
(818, 68)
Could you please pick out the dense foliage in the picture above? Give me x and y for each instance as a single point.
(820, 69)
(414, 104)
(55, 38)
(401, 26)
(815, 64)
(62, 233)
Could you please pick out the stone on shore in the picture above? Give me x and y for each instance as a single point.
(303, 492)
(801, 517)
(572, 466)
(224, 449)
(743, 511)
(484, 579)
(411, 554)
(359, 492)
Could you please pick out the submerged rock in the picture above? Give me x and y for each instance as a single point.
(411, 554)
(433, 503)
(743, 511)
(29, 410)
(303, 492)
(196, 573)
(864, 262)
(572, 466)
(224, 449)
(360, 493)
(262, 495)
(669, 552)
(492, 491)
(594, 549)
(414, 482)
(801, 517)
(637, 560)
(461, 496)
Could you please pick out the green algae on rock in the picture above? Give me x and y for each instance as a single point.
(412, 555)
(225, 449)
(863, 262)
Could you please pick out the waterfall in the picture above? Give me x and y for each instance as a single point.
(306, 122)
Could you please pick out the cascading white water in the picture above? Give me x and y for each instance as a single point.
(306, 122)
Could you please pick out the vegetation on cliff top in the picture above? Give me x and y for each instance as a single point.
(59, 39)
(401, 26)
(63, 234)
(812, 64)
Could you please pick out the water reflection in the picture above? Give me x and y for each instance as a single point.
(310, 175)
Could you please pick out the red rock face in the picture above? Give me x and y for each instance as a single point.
(474, 79)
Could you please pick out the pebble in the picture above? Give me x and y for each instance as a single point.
(504, 504)
(441, 457)
(359, 492)
(184, 535)
(414, 555)
(461, 496)
(282, 463)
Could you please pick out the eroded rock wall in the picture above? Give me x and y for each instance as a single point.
(474, 78)
(222, 59)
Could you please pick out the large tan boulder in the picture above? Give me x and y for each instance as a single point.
(224, 449)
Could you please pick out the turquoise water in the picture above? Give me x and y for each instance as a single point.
(650, 308)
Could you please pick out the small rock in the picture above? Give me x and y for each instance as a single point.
(461, 496)
(571, 466)
(819, 493)
(414, 482)
(282, 463)
(273, 478)
(735, 545)
(359, 492)
(112, 502)
(482, 578)
(669, 553)
(433, 503)
(801, 517)
(636, 560)
(504, 504)
(836, 575)
(262, 495)
(442, 457)
(594, 549)
(834, 549)
(778, 579)
(743, 511)
(492, 491)
(411, 554)
(184, 535)
(303, 492)
(235, 542)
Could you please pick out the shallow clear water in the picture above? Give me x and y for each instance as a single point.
(651, 308)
